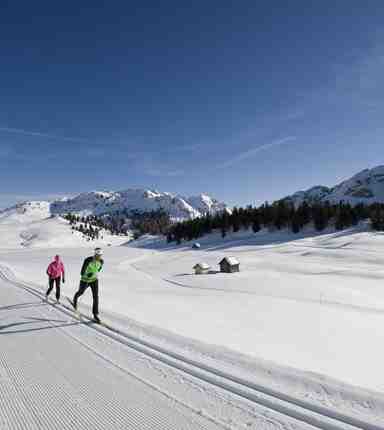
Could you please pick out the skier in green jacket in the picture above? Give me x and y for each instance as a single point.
(89, 272)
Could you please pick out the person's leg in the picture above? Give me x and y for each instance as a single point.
(82, 287)
(57, 281)
(50, 286)
(95, 296)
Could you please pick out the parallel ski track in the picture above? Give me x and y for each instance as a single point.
(315, 415)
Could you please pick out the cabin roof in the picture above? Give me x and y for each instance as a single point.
(232, 261)
(203, 266)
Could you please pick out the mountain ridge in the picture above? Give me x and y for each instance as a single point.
(132, 199)
(366, 186)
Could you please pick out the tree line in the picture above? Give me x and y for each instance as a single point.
(91, 227)
(282, 214)
(120, 223)
(155, 222)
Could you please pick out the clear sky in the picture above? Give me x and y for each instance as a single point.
(245, 100)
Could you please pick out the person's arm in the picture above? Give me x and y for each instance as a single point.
(102, 264)
(62, 273)
(85, 265)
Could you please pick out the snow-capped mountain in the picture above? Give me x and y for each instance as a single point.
(365, 187)
(178, 207)
(100, 202)
(206, 204)
(38, 224)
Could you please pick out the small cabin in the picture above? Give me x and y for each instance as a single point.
(229, 265)
(201, 268)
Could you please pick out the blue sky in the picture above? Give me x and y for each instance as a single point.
(248, 100)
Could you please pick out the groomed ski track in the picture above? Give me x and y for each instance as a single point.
(57, 371)
(51, 379)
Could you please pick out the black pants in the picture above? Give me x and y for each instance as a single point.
(57, 282)
(95, 294)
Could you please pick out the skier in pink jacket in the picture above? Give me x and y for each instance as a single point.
(55, 273)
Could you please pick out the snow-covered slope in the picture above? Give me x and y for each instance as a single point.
(205, 204)
(39, 224)
(25, 212)
(311, 196)
(31, 225)
(177, 207)
(366, 187)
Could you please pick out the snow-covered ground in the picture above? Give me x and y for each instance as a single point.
(305, 315)
(58, 372)
(32, 226)
(61, 371)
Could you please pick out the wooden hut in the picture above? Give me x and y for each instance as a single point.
(201, 268)
(229, 265)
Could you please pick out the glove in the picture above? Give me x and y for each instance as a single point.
(63, 280)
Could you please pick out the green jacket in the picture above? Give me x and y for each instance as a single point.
(91, 268)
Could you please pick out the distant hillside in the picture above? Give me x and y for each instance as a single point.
(31, 225)
(42, 223)
(365, 187)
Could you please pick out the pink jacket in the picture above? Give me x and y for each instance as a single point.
(56, 268)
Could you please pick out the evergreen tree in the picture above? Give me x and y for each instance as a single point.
(296, 222)
(256, 221)
(320, 220)
(223, 232)
(377, 217)
(235, 218)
